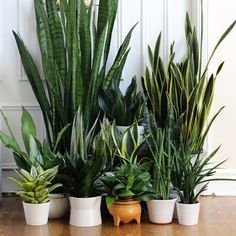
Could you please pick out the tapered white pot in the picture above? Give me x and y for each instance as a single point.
(188, 214)
(59, 206)
(122, 129)
(161, 211)
(85, 212)
(36, 214)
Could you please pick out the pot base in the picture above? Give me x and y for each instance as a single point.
(125, 211)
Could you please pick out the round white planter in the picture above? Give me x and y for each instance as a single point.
(59, 206)
(36, 214)
(188, 214)
(161, 211)
(85, 212)
(122, 129)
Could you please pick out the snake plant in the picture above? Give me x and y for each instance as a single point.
(85, 161)
(36, 184)
(74, 43)
(127, 144)
(124, 109)
(186, 85)
(162, 154)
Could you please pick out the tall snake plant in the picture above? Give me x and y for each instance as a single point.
(74, 39)
(186, 85)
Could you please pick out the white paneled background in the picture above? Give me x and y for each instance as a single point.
(152, 16)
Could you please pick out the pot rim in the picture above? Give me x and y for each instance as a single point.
(72, 197)
(126, 202)
(188, 204)
(167, 200)
(36, 204)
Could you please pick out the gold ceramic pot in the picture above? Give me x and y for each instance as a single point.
(125, 211)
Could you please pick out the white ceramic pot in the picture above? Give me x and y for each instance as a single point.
(85, 212)
(173, 195)
(59, 206)
(161, 211)
(122, 129)
(188, 214)
(36, 214)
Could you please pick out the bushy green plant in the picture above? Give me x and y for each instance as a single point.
(193, 172)
(74, 43)
(127, 181)
(36, 184)
(186, 85)
(85, 161)
(124, 109)
(35, 153)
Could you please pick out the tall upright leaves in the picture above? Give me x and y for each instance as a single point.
(74, 46)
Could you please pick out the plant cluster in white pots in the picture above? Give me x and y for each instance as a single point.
(84, 165)
(36, 186)
(38, 154)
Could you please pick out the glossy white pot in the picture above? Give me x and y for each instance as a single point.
(161, 211)
(122, 129)
(36, 214)
(59, 206)
(188, 214)
(85, 212)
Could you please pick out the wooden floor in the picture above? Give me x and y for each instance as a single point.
(217, 218)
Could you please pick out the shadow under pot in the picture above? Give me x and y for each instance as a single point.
(125, 211)
(85, 212)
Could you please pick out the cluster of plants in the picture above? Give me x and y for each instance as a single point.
(86, 153)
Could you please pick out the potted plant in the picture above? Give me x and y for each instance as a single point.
(162, 150)
(128, 183)
(38, 154)
(74, 55)
(84, 165)
(124, 109)
(193, 172)
(126, 186)
(35, 188)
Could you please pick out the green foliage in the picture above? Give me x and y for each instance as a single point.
(36, 184)
(127, 181)
(124, 109)
(86, 160)
(127, 144)
(35, 153)
(195, 170)
(74, 46)
(188, 89)
(163, 153)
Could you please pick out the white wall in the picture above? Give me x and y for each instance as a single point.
(153, 16)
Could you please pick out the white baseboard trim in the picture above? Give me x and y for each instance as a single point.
(223, 188)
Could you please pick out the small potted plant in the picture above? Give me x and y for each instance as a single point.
(126, 186)
(128, 183)
(194, 172)
(35, 154)
(84, 165)
(124, 109)
(35, 188)
(162, 150)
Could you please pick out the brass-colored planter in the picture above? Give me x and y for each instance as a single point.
(125, 211)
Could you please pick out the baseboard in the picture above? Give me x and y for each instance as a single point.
(223, 188)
